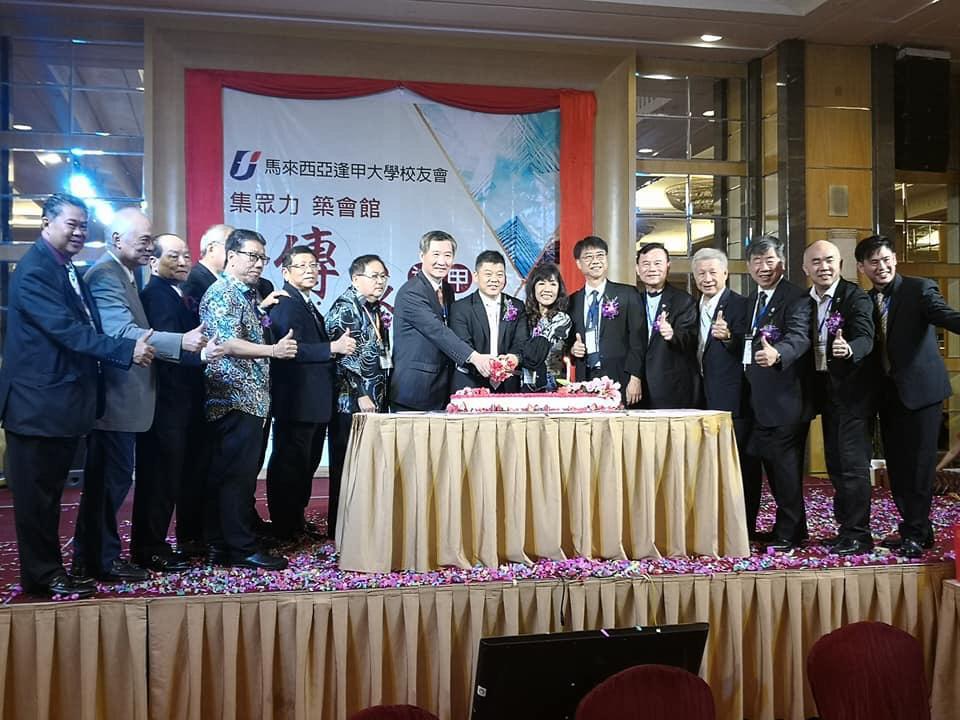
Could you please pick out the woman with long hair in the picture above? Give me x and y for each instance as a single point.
(545, 306)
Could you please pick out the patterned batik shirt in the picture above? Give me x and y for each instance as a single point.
(361, 373)
(228, 309)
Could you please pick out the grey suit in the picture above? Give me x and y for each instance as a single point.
(129, 408)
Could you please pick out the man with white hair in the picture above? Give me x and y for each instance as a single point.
(205, 272)
(114, 281)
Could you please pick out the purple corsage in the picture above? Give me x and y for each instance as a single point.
(265, 321)
(609, 309)
(511, 313)
(386, 319)
(834, 322)
(770, 333)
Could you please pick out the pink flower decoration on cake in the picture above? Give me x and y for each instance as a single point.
(609, 309)
(510, 314)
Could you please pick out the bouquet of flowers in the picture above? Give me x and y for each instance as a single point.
(501, 368)
(770, 333)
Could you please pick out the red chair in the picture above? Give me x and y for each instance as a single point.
(394, 712)
(649, 692)
(868, 671)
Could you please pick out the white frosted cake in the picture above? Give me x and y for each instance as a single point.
(599, 395)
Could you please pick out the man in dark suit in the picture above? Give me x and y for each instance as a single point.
(912, 387)
(607, 323)
(51, 388)
(844, 386)
(670, 374)
(722, 325)
(302, 390)
(205, 272)
(424, 348)
(778, 367)
(489, 320)
(170, 454)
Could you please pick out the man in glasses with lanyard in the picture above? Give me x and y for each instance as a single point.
(843, 391)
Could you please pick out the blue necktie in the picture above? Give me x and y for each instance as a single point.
(593, 314)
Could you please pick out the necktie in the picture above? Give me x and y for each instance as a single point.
(761, 306)
(440, 296)
(593, 313)
(706, 322)
(316, 313)
(883, 310)
(75, 284)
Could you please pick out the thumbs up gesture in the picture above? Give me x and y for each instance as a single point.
(767, 355)
(664, 326)
(195, 340)
(286, 347)
(344, 345)
(720, 330)
(143, 351)
(578, 349)
(841, 348)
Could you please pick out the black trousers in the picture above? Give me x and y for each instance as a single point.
(37, 469)
(910, 446)
(340, 425)
(847, 442)
(297, 450)
(191, 495)
(751, 471)
(231, 482)
(781, 450)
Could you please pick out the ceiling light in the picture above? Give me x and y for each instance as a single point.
(645, 151)
(49, 158)
(706, 37)
(101, 133)
(21, 126)
(708, 113)
(658, 77)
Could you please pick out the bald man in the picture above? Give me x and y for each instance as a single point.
(204, 273)
(115, 281)
(844, 384)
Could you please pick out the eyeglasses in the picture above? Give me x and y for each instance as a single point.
(254, 256)
(306, 266)
(593, 256)
(376, 277)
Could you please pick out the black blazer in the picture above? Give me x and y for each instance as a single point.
(424, 348)
(852, 379)
(302, 389)
(722, 363)
(621, 337)
(50, 383)
(917, 369)
(671, 378)
(468, 319)
(782, 394)
(197, 282)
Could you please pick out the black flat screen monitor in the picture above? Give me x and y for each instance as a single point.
(544, 677)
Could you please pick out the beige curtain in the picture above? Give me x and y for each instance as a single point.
(945, 687)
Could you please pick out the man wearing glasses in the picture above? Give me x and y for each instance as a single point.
(303, 397)
(237, 401)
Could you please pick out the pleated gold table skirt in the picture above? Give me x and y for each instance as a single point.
(426, 490)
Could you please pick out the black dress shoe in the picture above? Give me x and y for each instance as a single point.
(781, 545)
(831, 541)
(760, 535)
(83, 580)
(63, 586)
(192, 549)
(123, 571)
(166, 562)
(910, 548)
(891, 542)
(216, 555)
(851, 546)
(258, 561)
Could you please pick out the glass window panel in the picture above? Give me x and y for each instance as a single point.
(662, 97)
(707, 95)
(661, 194)
(926, 202)
(39, 173)
(923, 242)
(96, 175)
(670, 231)
(711, 140)
(899, 190)
(735, 231)
(112, 176)
(42, 108)
(662, 137)
(112, 66)
(108, 111)
(41, 61)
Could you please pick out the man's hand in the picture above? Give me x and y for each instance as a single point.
(634, 390)
(767, 355)
(344, 345)
(841, 348)
(195, 340)
(480, 362)
(578, 349)
(510, 359)
(214, 351)
(366, 404)
(143, 351)
(666, 329)
(272, 299)
(286, 347)
(720, 330)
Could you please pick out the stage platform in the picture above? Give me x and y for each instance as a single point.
(316, 642)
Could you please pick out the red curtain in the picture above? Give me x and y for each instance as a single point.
(203, 130)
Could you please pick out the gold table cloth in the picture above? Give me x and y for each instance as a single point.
(426, 490)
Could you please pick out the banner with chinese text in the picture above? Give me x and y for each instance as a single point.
(371, 174)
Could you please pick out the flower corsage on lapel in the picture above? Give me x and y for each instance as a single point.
(834, 323)
(609, 309)
(771, 333)
(511, 313)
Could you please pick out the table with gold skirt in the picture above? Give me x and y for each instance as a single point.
(425, 490)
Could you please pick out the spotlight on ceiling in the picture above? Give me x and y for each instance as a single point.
(707, 37)
(21, 126)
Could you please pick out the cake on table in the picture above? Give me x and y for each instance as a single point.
(598, 395)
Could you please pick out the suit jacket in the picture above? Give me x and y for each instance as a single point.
(621, 337)
(782, 394)
(468, 319)
(916, 367)
(51, 378)
(722, 363)
(179, 385)
(199, 279)
(852, 379)
(424, 348)
(130, 395)
(671, 377)
(301, 388)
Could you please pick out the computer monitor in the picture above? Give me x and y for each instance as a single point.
(545, 676)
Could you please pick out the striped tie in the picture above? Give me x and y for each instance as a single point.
(883, 308)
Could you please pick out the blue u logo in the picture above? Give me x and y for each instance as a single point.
(247, 173)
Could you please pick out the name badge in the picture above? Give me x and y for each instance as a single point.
(820, 355)
(386, 362)
(748, 350)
